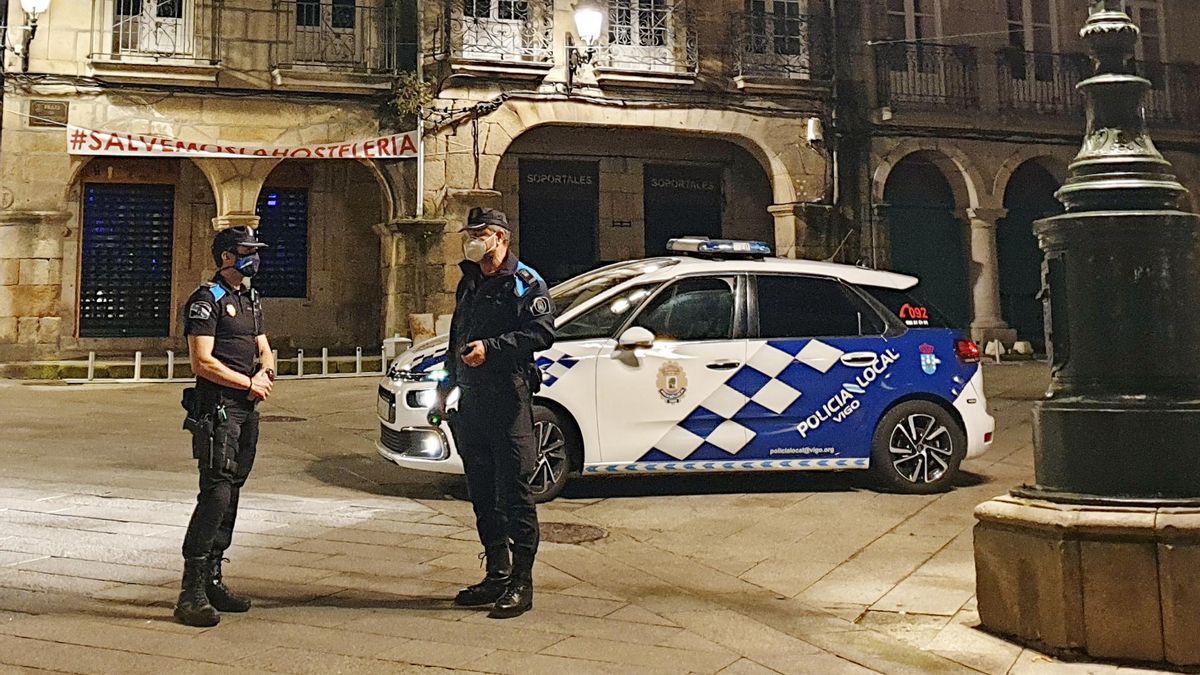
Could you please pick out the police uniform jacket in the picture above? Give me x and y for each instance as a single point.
(233, 316)
(510, 312)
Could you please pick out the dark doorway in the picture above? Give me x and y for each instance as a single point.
(560, 211)
(125, 281)
(926, 237)
(681, 200)
(1028, 197)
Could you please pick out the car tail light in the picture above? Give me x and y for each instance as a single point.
(987, 438)
(967, 351)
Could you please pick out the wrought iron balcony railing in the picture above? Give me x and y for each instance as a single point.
(781, 46)
(656, 36)
(519, 31)
(157, 30)
(912, 75)
(342, 35)
(1174, 97)
(1041, 82)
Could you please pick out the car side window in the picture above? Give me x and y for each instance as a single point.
(603, 320)
(700, 308)
(797, 306)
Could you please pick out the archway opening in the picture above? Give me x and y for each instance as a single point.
(575, 207)
(323, 260)
(1028, 196)
(925, 234)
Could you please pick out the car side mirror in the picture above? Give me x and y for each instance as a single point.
(636, 338)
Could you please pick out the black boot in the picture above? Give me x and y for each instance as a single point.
(193, 608)
(218, 593)
(518, 597)
(485, 592)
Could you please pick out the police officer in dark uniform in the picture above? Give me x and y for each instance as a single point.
(234, 370)
(503, 315)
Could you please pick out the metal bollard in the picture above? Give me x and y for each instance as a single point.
(275, 358)
(170, 365)
(137, 366)
(324, 360)
(299, 363)
(358, 360)
(91, 366)
(383, 364)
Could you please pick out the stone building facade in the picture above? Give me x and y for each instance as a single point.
(98, 253)
(968, 120)
(917, 135)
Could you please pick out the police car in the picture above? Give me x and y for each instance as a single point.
(720, 358)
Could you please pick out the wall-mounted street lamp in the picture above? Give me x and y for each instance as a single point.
(589, 23)
(33, 10)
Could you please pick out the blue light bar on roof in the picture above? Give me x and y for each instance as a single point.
(724, 248)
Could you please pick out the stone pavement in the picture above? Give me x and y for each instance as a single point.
(352, 561)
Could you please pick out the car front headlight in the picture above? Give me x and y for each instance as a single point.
(421, 398)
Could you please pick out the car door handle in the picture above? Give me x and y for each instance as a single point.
(859, 359)
(723, 365)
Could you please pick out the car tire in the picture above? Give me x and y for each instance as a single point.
(557, 446)
(917, 449)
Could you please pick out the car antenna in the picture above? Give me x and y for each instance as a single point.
(839, 248)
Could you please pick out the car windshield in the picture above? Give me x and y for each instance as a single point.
(577, 291)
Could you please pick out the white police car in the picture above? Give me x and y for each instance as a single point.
(721, 358)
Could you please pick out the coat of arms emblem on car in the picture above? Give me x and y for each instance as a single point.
(672, 382)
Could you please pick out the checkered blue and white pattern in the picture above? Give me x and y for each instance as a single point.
(554, 365)
(431, 361)
(768, 384)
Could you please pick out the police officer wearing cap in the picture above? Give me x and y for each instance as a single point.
(502, 316)
(234, 370)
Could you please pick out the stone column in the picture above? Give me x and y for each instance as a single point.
(236, 184)
(987, 324)
(31, 283)
(790, 228)
(413, 271)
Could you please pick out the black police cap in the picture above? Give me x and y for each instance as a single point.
(483, 217)
(232, 238)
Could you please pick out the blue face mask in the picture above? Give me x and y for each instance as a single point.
(247, 265)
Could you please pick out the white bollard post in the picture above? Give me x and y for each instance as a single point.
(324, 360)
(137, 366)
(299, 363)
(91, 366)
(383, 364)
(170, 365)
(358, 360)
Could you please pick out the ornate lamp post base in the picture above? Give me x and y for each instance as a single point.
(1101, 556)
(1107, 581)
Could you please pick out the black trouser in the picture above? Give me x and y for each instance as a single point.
(224, 467)
(493, 432)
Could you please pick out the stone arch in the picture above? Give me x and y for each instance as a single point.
(385, 188)
(770, 141)
(960, 171)
(1055, 164)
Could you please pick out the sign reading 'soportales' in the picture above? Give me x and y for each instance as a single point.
(81, 141)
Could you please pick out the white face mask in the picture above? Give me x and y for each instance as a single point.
(475, 249)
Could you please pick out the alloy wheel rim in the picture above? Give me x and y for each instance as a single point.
(921, 448)
(551, 457)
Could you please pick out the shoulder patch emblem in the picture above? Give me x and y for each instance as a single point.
(541, 306)
(200, 310)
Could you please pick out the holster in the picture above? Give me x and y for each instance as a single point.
(201, 420)
(534, 376)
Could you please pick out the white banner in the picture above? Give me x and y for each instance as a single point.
(81, 141)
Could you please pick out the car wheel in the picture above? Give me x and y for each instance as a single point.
(917, 449)
(555, 445)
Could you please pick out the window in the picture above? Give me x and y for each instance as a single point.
(343, 13)
(283, 226)
(692, 309)
(308, 13)
(776, 26)
(503, 10)
(640, 23)
(797, 307)
(1148, 15)
(583, 288)
(912, 19)
(1031, 29)
(603, 320)
(128, 239)
(910, 307)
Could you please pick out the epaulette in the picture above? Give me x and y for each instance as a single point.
(527, 279)
(216, 289)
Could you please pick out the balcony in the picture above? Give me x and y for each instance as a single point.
(777, 51)
(1174, 97)
(926, 76)
(509, 37)
(339, 45)
(162, 41)
(648, 41)
(1041, 82)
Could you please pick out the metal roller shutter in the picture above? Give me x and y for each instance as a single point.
(283, 226)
